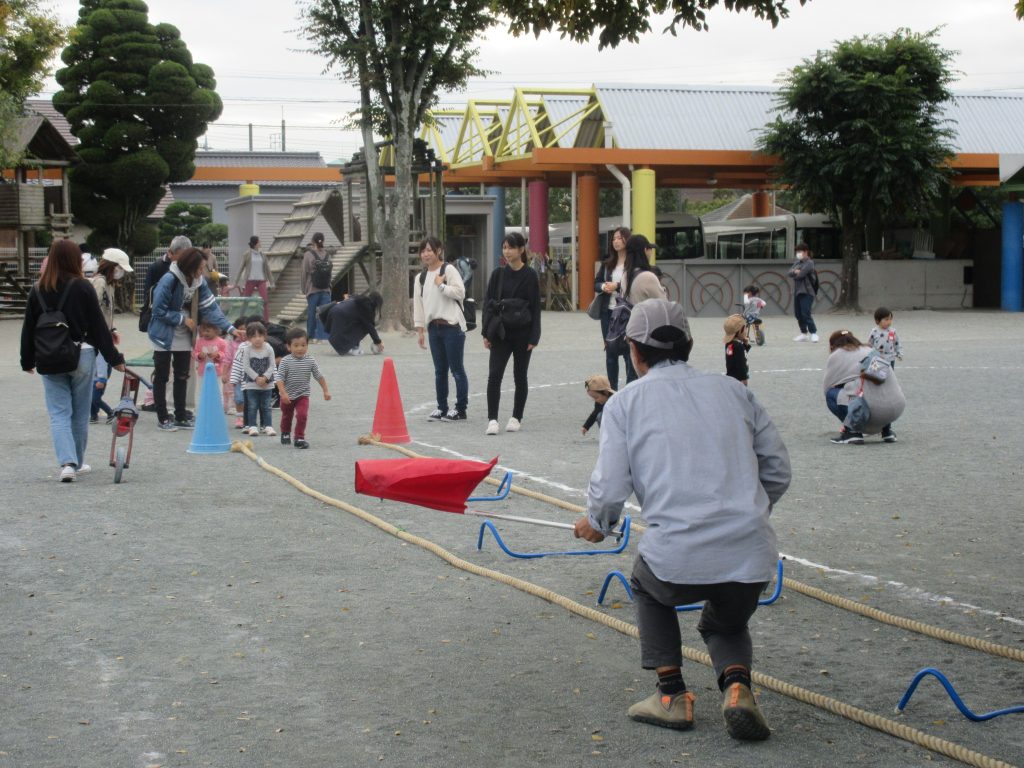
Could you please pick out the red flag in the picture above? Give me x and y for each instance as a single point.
(442, 484)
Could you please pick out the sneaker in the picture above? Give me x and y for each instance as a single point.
(269, 431)
(436, 415)
(888, 435)
(513, 425)
(187, 423)
(85, 469)
(167, 426)
(455, 415)
(147, 407)
(743, 719)
(251, 431)
(286, 439)
(814, 338)
(492, 427)
(300, 443)
(239, 423)
(846, 437)
(800, 337)
(94, 419)
(67, 473)
(355, 351)
(110, 418)
(666, 711)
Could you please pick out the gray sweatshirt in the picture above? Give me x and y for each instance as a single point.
(885, 401)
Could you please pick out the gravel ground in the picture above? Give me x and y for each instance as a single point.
(205, 613)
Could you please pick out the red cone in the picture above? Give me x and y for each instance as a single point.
(389, 418)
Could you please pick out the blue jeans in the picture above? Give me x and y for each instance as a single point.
(447, 345)
(611, 360)
(68, 401)
(257, 400)
(802, 309)
(831, 400)
(314, 301)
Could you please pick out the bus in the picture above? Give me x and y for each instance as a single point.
(772, 237)
(677, 235)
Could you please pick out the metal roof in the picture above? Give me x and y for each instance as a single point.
(224, 159)
(731, 117)
(560, 110)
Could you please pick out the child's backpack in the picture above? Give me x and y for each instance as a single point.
(321, 274)
(56, 351)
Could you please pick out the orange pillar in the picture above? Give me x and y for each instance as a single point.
(587, 220)
(761, 204)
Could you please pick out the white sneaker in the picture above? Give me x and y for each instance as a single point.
(85, 469)
(492, 427)
(355, 351)
(436, 415)
(814, 338)
(269, 431)
(800, 337)
(67, 474)
(252, 431)
(513, 425)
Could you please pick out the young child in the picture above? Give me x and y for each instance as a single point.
(234, 402)
(99, 384)
(883, 338)
(292, 381)
(599, 389)
(254, 369)
(213, 348)
(752, 303)
(736, 348)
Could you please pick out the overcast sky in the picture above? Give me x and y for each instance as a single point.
(264, 75)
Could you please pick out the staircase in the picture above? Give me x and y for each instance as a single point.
(287, 302)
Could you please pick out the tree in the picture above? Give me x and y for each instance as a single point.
(183, 218)
(402, 53)
(138, 103)
(859, 134)
(28, 39)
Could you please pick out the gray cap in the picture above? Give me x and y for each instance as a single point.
(658, 323)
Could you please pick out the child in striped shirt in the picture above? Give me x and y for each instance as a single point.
(292, 379)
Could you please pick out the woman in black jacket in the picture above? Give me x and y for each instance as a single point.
(511, 328)
(606, 286)
(68, 392)
(348, 322)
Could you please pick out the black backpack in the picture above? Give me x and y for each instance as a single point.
(321, 274)
(813, 281)
(468, 307)
(56, 351)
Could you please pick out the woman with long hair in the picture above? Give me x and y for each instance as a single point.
(606, 286)
(171, 329)
(512, 284)
(68, 393)
(348, 322)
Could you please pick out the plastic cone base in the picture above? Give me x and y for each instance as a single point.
(211, 432)
(389, 416)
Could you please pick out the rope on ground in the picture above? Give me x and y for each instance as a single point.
(855, 714)
(911, 625)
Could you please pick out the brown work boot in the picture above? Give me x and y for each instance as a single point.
(742, 717)
(675, 711)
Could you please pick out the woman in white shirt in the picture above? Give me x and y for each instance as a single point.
(438, 317)
(254, 275)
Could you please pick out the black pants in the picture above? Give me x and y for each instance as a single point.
(514, 345)
(162, 362)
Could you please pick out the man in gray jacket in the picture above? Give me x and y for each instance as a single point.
(706, 484)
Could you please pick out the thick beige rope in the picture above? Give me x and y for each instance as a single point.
(911, 625)
(885, 725)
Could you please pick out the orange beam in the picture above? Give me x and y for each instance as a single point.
(652, 157)
(588, 238)
(256, 175)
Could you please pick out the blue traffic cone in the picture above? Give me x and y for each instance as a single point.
(211, 432)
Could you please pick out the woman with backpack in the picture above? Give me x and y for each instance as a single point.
(64, 327)
(317, 271)
(511, 328)
(254, 274)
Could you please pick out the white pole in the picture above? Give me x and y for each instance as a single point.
(574, 229)
(522, 206)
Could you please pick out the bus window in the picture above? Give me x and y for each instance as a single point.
(730, 246)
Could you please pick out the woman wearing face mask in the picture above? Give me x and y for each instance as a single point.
(171, 329)
(113, 266)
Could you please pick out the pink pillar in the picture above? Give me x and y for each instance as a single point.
(538, 219)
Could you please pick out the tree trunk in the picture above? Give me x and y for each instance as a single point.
(397, 311)
(849, 289)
